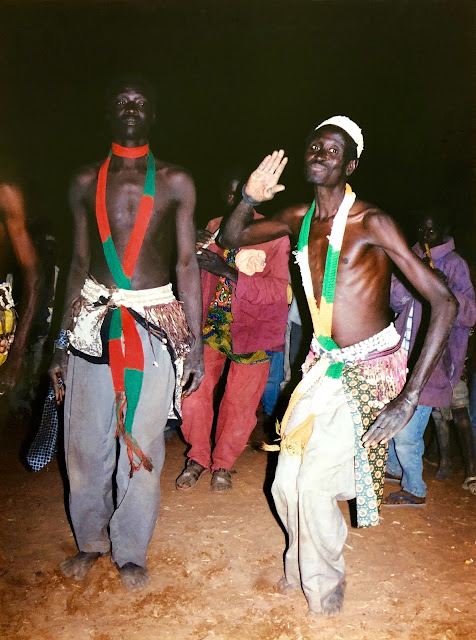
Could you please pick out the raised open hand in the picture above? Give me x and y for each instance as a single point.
(263, 184)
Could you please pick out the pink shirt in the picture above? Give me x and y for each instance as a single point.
(259, 302)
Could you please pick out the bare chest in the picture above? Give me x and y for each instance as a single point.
(360, 266)
(125, 204)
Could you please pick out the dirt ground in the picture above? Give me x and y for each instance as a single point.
(215, 561)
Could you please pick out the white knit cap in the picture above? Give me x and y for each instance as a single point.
(354, 131)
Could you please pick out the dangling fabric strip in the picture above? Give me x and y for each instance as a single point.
(126, 357)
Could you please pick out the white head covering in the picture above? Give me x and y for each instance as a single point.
(349, 126)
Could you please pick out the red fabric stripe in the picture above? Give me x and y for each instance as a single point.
(132, 152)
(137, 235)
(116, 362)
(134, 355)
(101, 213)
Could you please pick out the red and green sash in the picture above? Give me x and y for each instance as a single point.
(126, 356)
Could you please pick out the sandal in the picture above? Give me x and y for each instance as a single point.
(470, 485)
(403, 499)
(190, 475)
(221, 481)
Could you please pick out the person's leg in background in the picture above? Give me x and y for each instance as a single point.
(405, 459)
(460, 410)
(275, 377)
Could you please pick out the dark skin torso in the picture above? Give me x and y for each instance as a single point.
(124, 190)
(363, 276)
(372, 241)
(170, 229)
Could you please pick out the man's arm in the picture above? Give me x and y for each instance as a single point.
(242, 230)
(383, 232)
(13, 205)
(268, 286)
(77, 272)
(188, 279)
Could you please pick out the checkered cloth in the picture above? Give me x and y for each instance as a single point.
(43, 447)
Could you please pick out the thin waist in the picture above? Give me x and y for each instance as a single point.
(383, 341)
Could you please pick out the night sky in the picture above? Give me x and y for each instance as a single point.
(236, 80)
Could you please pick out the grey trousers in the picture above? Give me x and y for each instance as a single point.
(91, 456)
(306, 490)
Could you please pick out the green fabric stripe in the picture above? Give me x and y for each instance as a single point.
(115, 329)
(133, 385)
(114, 264)
(330, 275)
(327, 343)
(306, 225)
(149, 186)
(335, 370)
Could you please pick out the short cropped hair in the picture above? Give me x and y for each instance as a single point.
(439, 214)
(127, 80)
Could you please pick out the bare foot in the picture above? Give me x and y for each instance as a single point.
(285, 588)
(332, 605)
(133, 577)
(79, 565)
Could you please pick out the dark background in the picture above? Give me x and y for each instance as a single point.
(236, 80)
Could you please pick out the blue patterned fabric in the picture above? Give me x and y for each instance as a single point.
(43, 447)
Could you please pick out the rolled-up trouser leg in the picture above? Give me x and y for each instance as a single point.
(138, 497)
(306, 494)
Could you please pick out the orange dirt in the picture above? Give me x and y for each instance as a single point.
(215, 560)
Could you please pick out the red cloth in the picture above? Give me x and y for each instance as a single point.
(259, 302)
(237, 414)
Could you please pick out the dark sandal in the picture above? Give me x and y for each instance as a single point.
(190, 475)
(221, 481)
(403, 499)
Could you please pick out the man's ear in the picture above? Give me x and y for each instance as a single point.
(351, 167)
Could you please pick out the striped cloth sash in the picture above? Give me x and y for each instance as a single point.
(126, 356)
(322, 316)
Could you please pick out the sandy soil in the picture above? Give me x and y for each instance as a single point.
(215, 561)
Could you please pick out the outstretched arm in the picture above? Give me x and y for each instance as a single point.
(188, 280)
(262, 185)
(77, 273)
(383, 232)
(13, 205)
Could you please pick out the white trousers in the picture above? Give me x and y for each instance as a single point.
(306, 490)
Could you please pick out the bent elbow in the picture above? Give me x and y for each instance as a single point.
(226, 239)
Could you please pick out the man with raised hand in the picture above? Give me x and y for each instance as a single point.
(333, 445)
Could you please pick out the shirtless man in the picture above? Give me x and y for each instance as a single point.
(14, 235)
(128, 368)
(332, 447)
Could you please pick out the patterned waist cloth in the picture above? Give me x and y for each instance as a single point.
(372, 373)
